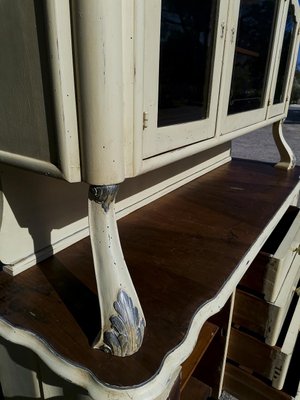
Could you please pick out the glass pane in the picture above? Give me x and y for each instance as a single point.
(284, 59)
(186, 43)
(250, 67)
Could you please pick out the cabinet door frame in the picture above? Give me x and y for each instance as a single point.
(239, 121)
(158, 140)
(280, 108)
(60, 58)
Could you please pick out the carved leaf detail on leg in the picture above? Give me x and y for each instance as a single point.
(121, 315)
(127, 328)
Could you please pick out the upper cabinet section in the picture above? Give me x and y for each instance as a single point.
(212, 69)
(143, 83)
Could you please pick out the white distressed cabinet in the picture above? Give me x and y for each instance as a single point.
(139, 100)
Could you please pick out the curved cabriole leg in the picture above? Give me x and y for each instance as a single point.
(122, 319)
(287, 157)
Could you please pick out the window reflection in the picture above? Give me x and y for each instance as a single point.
(185, 60)
(284, 58)
(254, 40)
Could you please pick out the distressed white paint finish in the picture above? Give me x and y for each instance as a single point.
(24, 375)
(56, 225)
(160, 160)
(277, 109)
(279, 309)
(122, 319)
(61, 63)
(287, 156)
(18, 372)
(52, 386)
(101, 41)
(159, 386)
(62, 130)
(163, 144)
(34, 222)
(280, 262)
(113, 86)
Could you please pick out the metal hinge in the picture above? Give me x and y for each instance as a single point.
(269, 102)
(145, 120)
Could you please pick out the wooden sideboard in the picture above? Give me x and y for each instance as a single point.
(133, 106)
(186, 253)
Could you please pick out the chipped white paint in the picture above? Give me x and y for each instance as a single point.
(49, 236)
(279, 309)
(62, 69)
(111, 82)
(280, 262)
(63, 116)
(100, 55)
(280, 107)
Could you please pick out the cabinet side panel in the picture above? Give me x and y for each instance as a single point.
(25, 100)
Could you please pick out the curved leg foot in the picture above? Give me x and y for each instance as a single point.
(122, 319)
(287, 157)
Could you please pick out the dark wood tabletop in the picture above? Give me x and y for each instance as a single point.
(180, 250)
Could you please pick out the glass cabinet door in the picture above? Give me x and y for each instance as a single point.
(285, 61)
(184, 43)
(249, 59)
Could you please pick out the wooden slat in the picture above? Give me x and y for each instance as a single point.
(252, 353)
(269, 269)
(195, 390)
(254, 278)
(180, 250)
(250, 312)
(205, 338)
(245, 386)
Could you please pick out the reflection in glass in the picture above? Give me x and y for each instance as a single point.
(186, 42)
(254, 40)
(284, 58)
